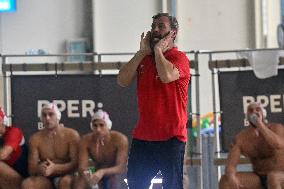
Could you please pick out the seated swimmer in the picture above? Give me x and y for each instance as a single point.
(108, 151)
(13, 154)
(263, 144)
(53, 153)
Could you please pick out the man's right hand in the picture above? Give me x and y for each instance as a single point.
(93, 178)
(42, 167)
(234, 182)
(128, 72)
(145, 44)
(49, 168)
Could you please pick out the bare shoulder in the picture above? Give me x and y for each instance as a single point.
(70, 131)
(86, 138)
(119, 137)
(72, 134)
(242, 137)
(277, 127)
(36, 137)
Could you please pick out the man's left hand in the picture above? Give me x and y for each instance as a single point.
(163, 44)
(49, 168)
(259, 119)
(96, 177)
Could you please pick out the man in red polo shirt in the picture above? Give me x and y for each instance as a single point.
(162, 73)
(13, 155)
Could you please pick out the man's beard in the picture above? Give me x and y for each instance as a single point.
(155, 38)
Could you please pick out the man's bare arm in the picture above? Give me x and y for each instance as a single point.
(128, 72)
(166, 70)
(121, 159)
(232, 160)
(273, 136)
(272, 133)
(33, 158)
(83, 155)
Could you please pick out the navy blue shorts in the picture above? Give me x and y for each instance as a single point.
(146, 159)
(21, 165)
(263, 180)
(112, 182)
(105, 182)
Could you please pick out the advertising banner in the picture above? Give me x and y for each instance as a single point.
(77, 96)
(239, 88)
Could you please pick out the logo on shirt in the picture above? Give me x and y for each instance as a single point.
(141, 69)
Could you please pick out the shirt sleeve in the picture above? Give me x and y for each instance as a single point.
(181, 62)
(13, 138)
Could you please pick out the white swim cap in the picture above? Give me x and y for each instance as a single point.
(3, 116)
(264, 113)
(100, 114)
(53, 107)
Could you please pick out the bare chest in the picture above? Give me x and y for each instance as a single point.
(258, 149)
(54, 148)
(103, 154)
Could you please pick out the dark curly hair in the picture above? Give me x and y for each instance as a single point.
(172, 19)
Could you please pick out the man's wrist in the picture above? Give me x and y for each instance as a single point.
(141, 53)
(230, 173)
(230, 170)
(158, 50)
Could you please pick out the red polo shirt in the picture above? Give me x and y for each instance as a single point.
(13, 137)
(162, 107)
